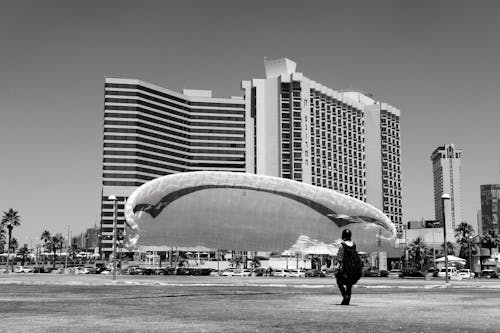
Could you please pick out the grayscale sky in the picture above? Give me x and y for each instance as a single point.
(437, 61)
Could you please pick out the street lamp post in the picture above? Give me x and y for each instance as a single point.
(434, 245)
(115, 212)
(471, 242)
(443, 198)
(470, 254)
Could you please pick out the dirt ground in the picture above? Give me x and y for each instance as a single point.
(44, 303)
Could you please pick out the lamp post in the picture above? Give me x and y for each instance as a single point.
(115, 211)
(434, 245)
(443, 198)
(471, 242)
(67, 250)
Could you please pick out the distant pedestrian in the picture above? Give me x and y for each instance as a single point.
(350, 266)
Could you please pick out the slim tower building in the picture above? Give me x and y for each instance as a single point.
(446, 167)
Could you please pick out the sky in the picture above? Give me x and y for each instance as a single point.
(436, 61)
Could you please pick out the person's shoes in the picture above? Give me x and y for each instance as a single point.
(345, 300)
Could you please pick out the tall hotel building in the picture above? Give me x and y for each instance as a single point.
(446, 167)
(285, 126)
(303, 130)
(151, 131)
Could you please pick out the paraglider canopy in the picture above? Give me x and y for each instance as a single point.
(228, 210)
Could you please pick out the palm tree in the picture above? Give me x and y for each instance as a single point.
(45, 238)
(463, 232)
(490, 239)
(2, 239)
(73, 250)
(52, 243)
(23, 251)
(450, 247)
(56, 244)
(14, 245)
(418, 252)
(10, 219)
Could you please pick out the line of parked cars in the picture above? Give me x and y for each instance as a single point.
(299, 273)
(453, 272)
(136, 270)
(374, 272)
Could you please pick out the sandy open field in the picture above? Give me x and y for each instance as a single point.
(89, 303)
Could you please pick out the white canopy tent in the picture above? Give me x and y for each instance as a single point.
(452, 259)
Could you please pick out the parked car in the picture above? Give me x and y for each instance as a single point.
(199, 271)
(82, 270)
(215, 272)
(54, 270)
(97, 270)
(433, 272)
(22, 269)
(164, 271)
(412, 273)
(228, 272)
(297, 273)
(452, 271)
(331, 272)
(281, 273)
(147, 271)
(465, 273)
(395, 273)
(39, 270)
(489, 274)
(182, 271)
(242, 272)
(259, 271)
(132, 270)
(315, 273)
(371, 272)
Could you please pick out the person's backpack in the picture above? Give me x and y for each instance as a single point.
(352, 266)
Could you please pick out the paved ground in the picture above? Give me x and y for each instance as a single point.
(58, 303)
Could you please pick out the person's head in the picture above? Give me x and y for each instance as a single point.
(346, 235)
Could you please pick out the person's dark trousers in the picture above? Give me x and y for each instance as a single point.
(345, 289)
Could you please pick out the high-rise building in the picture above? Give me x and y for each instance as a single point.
(490, 207)
(305, 131)
(151, 131)
(446, 167)
(285, 126)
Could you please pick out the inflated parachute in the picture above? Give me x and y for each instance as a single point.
(238, 211)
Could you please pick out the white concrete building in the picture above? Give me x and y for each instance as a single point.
(300, 129)
(150, 131)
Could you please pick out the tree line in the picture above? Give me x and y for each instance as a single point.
(420, 255)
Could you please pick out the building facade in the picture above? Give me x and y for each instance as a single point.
(286, 126)
(429, 231)
(88, 240)
(446, 168)
(150, 131)
(490, 207)
(305, 131)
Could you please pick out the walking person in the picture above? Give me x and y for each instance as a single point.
(350, 266)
